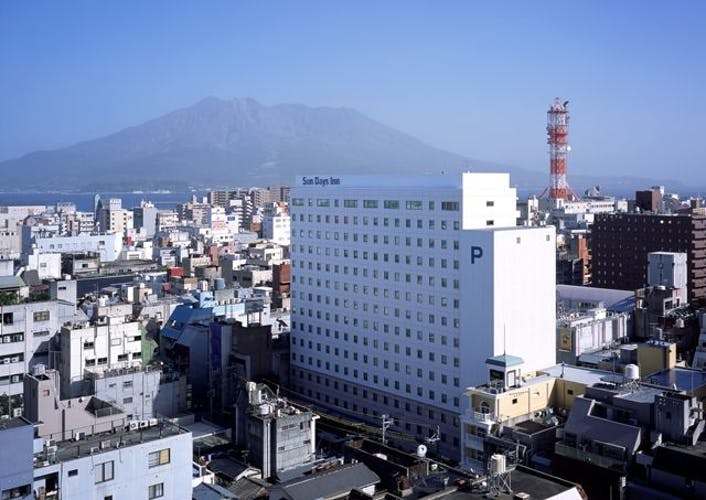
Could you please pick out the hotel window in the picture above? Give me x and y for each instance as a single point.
(350, 203)
(414, 205)
(450, 205)
(392, 204)
(370, 203)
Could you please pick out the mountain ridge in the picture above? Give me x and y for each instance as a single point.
(242, 142)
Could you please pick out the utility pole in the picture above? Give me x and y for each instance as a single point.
(386, 423)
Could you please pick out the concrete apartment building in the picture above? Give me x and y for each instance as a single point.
(26, 331)
(279, 436)
(620, 244)
(402, 287)
(113, 217)
(145, 218)
(109, 342)
(11, 220)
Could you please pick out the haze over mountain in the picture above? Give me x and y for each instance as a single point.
(241, 142)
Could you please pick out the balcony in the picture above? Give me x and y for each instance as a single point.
(481, 417)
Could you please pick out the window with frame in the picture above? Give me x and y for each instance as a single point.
(155, 491)
(41, 316)
(104, 472)
(159, 457)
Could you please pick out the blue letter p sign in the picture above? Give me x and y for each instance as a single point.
(476, 253)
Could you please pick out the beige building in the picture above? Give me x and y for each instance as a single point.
(519, 403)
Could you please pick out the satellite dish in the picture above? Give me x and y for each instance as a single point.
(421, 451)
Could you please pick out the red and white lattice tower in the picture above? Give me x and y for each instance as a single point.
(557, 131)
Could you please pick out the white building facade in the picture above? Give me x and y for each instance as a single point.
(108, 246)
(402, 287)
(112, 343)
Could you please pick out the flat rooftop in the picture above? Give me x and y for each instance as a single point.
(612, 300)
(13, 423)
(586, 376)
(681, 379)
(525, 480)
(121, 438)
(642, 394)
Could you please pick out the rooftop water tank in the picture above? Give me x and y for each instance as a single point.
(632, 372)
(497, 464)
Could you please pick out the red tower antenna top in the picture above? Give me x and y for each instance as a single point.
(557, 132)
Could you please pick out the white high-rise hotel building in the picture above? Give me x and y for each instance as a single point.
(403, 286)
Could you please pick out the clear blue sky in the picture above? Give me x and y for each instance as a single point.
(472, 77)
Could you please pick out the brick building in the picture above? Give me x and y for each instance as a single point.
(620, 244)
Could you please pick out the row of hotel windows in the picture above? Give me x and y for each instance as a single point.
(374, 238)
(375, 221)
(396, 385)
(372, 395)
(396, 258)
(431, 280)
(389, 204)
(408, 369)
(386, 311)
(365, 289)
(443, 359)
(430, 338)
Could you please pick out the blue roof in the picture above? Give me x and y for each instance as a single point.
(182, 316)
(505, 360)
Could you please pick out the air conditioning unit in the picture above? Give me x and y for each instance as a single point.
(153, 422)
(105, 444)
(6, 361)
(78, 436)
(134, 425)
(144, 423)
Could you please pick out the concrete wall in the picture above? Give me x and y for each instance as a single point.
(16, 443)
